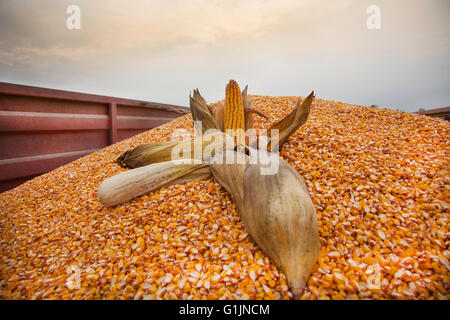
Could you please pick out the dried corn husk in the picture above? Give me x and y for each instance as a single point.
(219, 114)
(277, 212)
(247, 106)
(228, 169)
(146, 154)
(291, 123)
(133, 183)
(201, 113)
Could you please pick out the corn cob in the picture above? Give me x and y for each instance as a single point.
(234, 113)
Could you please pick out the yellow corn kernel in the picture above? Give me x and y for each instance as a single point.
(57, 241)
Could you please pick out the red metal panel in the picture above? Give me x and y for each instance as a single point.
(33, 104)
(137, 111)
(41, 129)
(49, 142)
(125, 134)
(28, 166)
(9, 184)
(445, 110)
(443, 113)
(140, 123)
(112, 123)
(38, 121)
(16, 89)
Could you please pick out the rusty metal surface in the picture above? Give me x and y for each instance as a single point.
(443, 113)
(42, 129)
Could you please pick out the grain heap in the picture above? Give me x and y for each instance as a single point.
(378, 178)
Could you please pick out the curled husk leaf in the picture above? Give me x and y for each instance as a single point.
(228, 169)
(219, 114)
(133, 183)
(201, 113)
(145, 154)
(149, 153)
(288, 125)
(249, 121)
(278, 213)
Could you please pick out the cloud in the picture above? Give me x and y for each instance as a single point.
(283, 47)
(110, 27)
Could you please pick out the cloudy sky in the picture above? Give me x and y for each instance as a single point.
(159, 50)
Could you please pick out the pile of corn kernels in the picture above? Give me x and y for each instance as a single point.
(379, 180)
